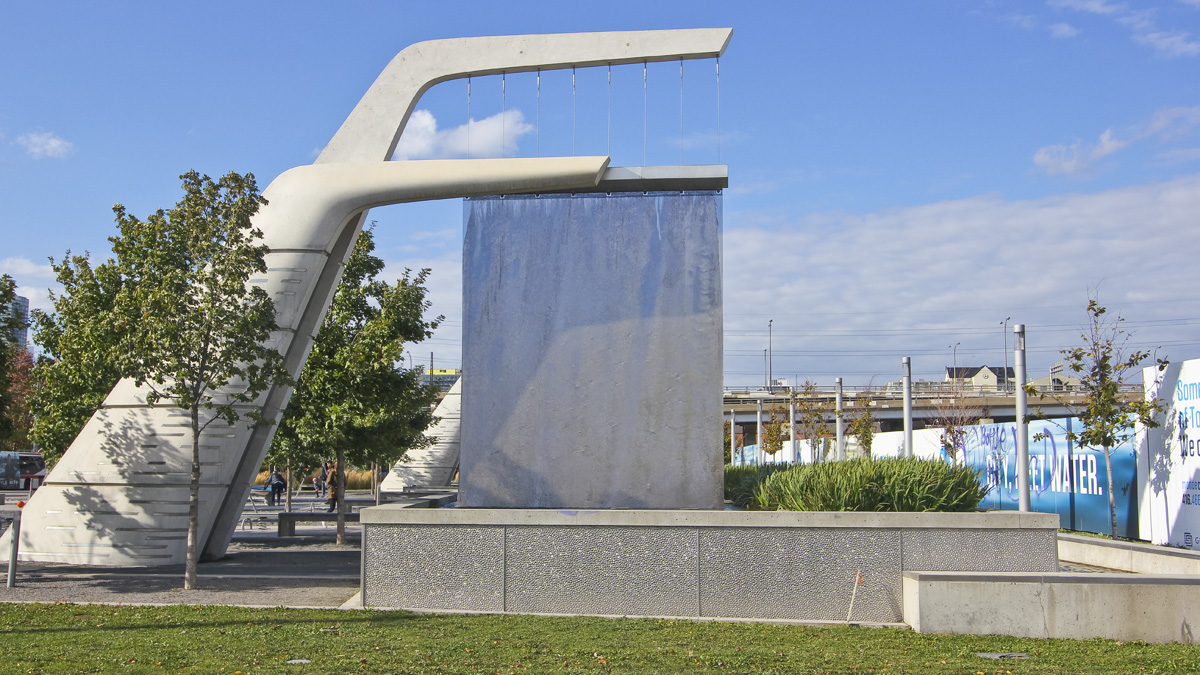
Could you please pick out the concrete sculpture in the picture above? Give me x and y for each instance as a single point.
(119, 495)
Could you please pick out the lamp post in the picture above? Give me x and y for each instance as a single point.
(954, 361)
(770, 357)
(1004, 334)
(766, 383)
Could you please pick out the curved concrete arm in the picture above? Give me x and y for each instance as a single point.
(373, 128)
(316, 200)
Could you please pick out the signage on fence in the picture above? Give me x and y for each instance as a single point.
(1169, 465)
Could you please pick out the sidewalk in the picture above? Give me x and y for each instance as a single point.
(260, 569)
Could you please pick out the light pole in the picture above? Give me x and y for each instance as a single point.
(770, 357)
(765, 382)
(1004, 334)
(954, 360)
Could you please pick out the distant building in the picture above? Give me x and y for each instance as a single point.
(442, 377)
(980, 377)
(20, 307)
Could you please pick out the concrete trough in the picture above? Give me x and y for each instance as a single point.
(1154, 608)
(698, 564)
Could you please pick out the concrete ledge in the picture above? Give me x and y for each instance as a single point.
(1154, 608)
(699, 564)
(1127, 556)
(396, 514)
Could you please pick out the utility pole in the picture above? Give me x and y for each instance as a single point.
(1022, 424)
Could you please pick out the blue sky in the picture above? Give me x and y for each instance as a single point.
(903, 176)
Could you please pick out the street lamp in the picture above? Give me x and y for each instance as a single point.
(770, 356)
(1004, 333)
(954, 352)
(765, 368)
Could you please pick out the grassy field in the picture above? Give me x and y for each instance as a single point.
(207, 639)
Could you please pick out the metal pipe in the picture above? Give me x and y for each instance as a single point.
(14, 543)
(840, 427)
(1022, 423)
(908, 413)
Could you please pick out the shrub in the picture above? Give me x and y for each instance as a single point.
(741, 482)
(864, 484)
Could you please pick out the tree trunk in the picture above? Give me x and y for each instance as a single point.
(288, 490)
(341, 496)
(1112, 499)
(193, 531)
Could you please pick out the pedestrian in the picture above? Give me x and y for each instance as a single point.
(324, 483)
(334, 483)
(276, 485)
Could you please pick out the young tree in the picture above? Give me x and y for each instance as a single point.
(354, 399)
(812, 413)
(190, 328)
(861, 426)
(78, 364)
(772, 440)
(1103, 362)
(10, 322)
(954, 415)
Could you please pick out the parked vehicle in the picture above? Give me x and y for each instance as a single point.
(21, 470)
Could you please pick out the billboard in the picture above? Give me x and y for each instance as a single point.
(1169, 465)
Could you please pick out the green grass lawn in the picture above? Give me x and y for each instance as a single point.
(208, 639)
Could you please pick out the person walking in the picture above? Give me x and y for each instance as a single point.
(333, 482)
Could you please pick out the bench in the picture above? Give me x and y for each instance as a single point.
(287, 521)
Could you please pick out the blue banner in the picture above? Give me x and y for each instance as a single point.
(1063, 478)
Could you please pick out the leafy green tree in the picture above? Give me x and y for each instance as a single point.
(78, 364)
(9, 323)
(190, 328)
(355, 400)
(1103, 363)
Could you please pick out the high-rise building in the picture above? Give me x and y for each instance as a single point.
(20, 307)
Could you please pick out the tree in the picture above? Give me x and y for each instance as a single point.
(954, 415)
(1103, 362)
(10, 322)
(78, 364)
(355, 400)
(772, 440)
(861, 426)
(21, 386)
(190, 329)
(812, 411)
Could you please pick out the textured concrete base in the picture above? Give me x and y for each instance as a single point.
(715, 564)
(1154, 608)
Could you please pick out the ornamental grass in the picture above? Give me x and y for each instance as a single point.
(864, 484)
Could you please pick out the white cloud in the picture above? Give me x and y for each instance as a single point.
(1076, 158)
(494, 136)
(1090, 6)
(1063, 30)
(33, 281)
(40, 145)
(850, 294)
(1174, 43)
(1168, 43)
